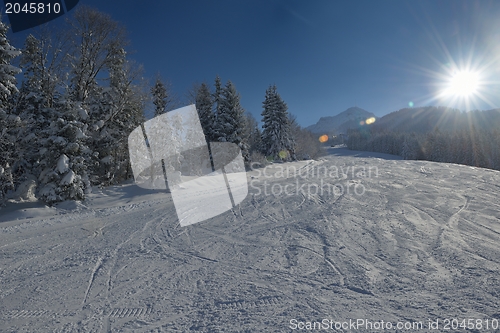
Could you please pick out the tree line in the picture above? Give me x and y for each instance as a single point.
(470, 146)
(64, 129)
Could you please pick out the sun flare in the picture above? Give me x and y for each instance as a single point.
(463, 84)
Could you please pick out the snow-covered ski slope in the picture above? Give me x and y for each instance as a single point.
(417, 241)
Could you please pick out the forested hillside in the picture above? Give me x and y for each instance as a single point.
(444, 119)
(436, 134)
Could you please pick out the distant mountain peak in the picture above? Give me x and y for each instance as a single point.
(341, 122)
(354, 109)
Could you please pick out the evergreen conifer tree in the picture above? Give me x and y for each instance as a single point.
(8, 121)
(159, 92)
(204, 104)
(35, 102)
(231, 120)
(277, 139)
(65, 155)
(217, 105)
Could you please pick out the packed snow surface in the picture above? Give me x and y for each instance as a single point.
(406, 241)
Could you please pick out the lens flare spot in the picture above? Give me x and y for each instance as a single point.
(323, 138)
(370, 120)
(283, 154)
(362, 122)
(411, 104)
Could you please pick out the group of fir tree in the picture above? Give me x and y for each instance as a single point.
(224, 120)
(64, 129)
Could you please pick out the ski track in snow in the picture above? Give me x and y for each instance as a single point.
(421, 242)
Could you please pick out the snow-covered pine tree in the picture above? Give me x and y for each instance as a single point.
(8, 121)
(7, 148)
(40, 64)
(7, 70)
(159, 93)
(217, 104)
(204, 103)
(277, 140)
(65, 154)
(163, 98)
(65, 158)
(231, 120)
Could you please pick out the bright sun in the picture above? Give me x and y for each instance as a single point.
(463, 84)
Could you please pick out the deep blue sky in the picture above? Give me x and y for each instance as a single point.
(324, 56)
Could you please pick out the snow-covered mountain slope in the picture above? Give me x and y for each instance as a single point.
(340, 123)
(406, 241)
